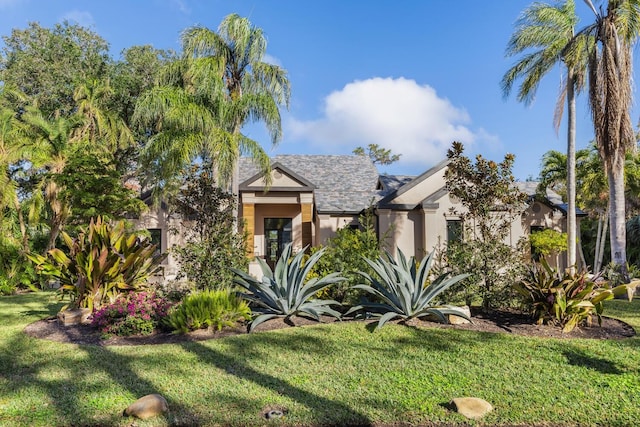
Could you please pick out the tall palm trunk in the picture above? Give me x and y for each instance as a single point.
(572, 240)
(617, 228)
(610, 73)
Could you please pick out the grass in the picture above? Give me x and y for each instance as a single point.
(335, 374)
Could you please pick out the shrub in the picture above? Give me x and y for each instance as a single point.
(567, 299)
(212, 245)
(345, 252)
(137, 313)
(99, 264)
(405, 289)
(208, 309)
(285, 291)
(547, 242)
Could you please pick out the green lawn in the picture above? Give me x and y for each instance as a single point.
(330, 374)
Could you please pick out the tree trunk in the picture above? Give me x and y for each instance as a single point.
(583, 261)
(571, 174)
(603, 240)
(23, 227)
(596, 254)
(617, 226)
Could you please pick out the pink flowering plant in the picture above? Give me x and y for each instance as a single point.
(135, 313)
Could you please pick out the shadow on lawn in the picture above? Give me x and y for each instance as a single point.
(580, 358)
(326, 412)
(69, 395)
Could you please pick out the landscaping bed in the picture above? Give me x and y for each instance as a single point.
(509, 322)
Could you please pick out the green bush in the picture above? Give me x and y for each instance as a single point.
(212, 245)
(137, 313)
(213, 309)
(345, 252)
(405, 289)
(547, 242)
(287, 290)
(99, 264)
(568, 299)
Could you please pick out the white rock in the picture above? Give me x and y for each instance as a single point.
(472, 407)
(147, 406)
(457, 320)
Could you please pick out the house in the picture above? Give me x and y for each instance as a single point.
(312, 196)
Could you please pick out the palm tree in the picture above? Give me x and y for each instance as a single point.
(101, 125)
(610, 97)
(543, 33)
(591, 186)
(12, 151)
(203, 100)
(51, 146)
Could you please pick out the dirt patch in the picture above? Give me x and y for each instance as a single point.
(495, 322)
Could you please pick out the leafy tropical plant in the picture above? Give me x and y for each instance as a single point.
(567, 299)
(405, 289)
(208, 309)
(100, 264)
(286, 291)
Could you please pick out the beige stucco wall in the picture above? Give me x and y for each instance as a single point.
(328, 224)
(419, 231)
(158, 218)
(419, 191)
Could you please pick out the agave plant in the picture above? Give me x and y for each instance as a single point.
(285, 291)
(405, 289)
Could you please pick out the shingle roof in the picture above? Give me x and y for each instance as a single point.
(531, 189)
(348, 183)
(344, 183)
(391, 183)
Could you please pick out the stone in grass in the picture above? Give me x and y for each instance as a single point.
(458, 320)
(74, 316)
(471, 407)
(274, 412)
(147, 406)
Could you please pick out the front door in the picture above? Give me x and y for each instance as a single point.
(277, 232)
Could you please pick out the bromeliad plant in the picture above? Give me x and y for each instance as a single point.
(405, 290)
(567, 299)
(285, 291)
(99, 264)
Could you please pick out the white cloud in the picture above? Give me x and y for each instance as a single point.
(397, 114)
(84, 19)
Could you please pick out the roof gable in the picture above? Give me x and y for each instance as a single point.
(341, 183)
(282, 179)
(413, 192)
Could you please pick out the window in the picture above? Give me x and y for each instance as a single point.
(156, 239)
(454, 230)
(277, 233)
(535, 255)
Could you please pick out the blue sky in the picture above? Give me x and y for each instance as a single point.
(409, 75)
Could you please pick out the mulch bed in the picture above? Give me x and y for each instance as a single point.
(496, 322)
